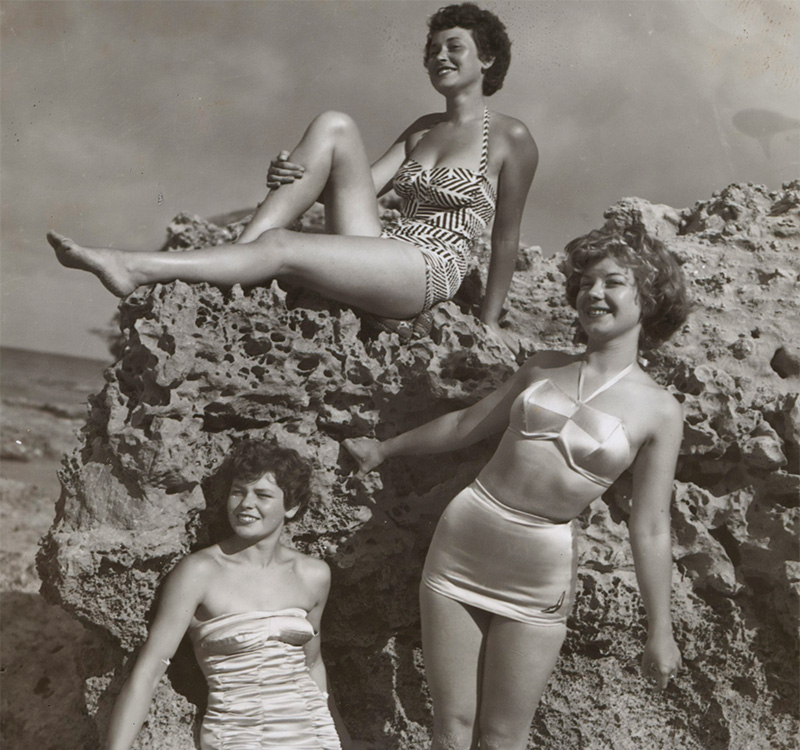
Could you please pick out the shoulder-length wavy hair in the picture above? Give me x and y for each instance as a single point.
(488, 32)
(660, 283)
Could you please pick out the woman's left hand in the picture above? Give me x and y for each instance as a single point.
(661, 660)
(506, 338)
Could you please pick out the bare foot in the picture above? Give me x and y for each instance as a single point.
(108, 265)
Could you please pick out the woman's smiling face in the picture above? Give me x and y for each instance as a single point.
(256, 509)
(453, 59)
(608, 300)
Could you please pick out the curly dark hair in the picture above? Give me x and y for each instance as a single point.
(661, 287)
(488, 32)
(251, 459)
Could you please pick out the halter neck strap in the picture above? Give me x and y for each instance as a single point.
(621, 374)
(485, 143)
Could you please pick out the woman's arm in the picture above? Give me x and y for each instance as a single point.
(283, 172)
(450, 432)
(320, 579)
(180, 597)
(385, 168)
(649, 524)
(514, 181)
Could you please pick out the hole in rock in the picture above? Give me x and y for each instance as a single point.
(308, 363)
(257, 347)
(308, 329)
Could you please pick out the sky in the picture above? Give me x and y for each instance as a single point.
(117, 115)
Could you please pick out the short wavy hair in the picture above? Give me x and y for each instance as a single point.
(660, 283)
(251, 459)
(489, 34)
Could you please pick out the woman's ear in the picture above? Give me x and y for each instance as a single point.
(291, 513)
(486, 64)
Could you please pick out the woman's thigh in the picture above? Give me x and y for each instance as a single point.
(452, 644)
(518, 661)
(351, 206)
(382, 276)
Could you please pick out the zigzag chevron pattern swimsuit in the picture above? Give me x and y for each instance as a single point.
(507, 561)
(443, 211)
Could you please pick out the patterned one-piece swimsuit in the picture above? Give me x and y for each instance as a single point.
(443, 211)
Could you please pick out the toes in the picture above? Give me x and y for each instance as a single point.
(58, 241)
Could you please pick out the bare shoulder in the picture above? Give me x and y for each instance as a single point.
(200, 563)
(190, 577)
(511, 134)
(662, 412)
(313, 572)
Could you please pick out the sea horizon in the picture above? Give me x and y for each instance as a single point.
(49, 377)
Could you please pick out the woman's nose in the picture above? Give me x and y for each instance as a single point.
(597, 290)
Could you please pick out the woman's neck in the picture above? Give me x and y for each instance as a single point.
(465, 106)
(611, 356)
(259, 553)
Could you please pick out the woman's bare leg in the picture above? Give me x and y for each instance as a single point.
(382, 276)
(452, 645)
(336, 168)
(518, 661)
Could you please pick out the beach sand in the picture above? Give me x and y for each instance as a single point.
(43, 404)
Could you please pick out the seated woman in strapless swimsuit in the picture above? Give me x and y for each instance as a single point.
(252, 608)
(455, 172)
(500, 574)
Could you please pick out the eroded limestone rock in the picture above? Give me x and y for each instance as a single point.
(201, 367)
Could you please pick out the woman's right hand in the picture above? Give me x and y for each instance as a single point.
(366, 452)
(283, 172)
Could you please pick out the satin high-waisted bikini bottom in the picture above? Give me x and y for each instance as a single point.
(503, 560)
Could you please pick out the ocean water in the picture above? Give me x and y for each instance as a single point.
(44, 378)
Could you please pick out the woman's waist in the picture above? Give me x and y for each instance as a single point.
(430, 230)
(534, 478)
(241, 686)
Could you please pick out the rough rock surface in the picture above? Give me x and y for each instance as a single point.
(202, 366)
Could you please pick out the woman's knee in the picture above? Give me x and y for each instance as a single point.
(453, 732)
(289, 258)
(500, 737)
(335, 123)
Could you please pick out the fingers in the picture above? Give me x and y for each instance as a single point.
(352, 448)
(661, 677)
(283, 172)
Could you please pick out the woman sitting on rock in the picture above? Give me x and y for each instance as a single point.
(455, 172)
(253, 609)
(500, 575)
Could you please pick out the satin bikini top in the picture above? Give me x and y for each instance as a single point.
(594, 444)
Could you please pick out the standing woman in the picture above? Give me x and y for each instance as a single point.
(500, 575)
(455, 172)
